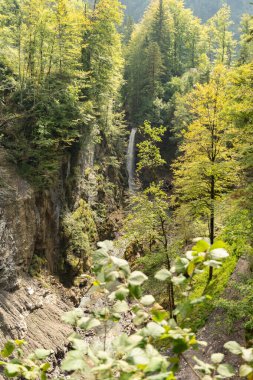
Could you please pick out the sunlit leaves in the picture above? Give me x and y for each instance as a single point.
(217, 358)
(8, 349)
(233, 347)
(147, 300)
(226, 370)
(163, 275)
(73, 316)
(137, 278)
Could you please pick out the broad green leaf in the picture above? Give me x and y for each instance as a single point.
(74, 361)
(154, 329)
(154, 364)
(163, 275)
(189, 255)
(218, 244)
(41, 353)
(121, 307)
(137, 278)
(45, 367)
(135, 291)
(196, 301)
(217, 358)
(71, 317)
(140, 317)
(191, 268)
(107, 245)
(159, 315)
(122, 264)
(78, 343)
(181, 265)
(233, 347)
(203, 367)
(201, 246)
(112, 276)
(87, 323)
(100, 257)
(12, 370)
(179, 280)
(247, 354)
(20, 342)
(219, 254)
(139, 356)
(245, 370)
(226, 370)
(179, 346)
(147, 300)
(212, 263)
(161, 376)
(8, 349)
(121, 293)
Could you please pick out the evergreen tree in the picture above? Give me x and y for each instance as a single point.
(246, 43)
(220, 37)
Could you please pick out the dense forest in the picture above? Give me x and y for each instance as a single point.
(203, 9)
(126, 189)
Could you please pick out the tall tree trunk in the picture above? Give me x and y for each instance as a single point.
(212, 221)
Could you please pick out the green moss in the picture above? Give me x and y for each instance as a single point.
(37, 265)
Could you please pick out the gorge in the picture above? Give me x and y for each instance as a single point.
(131, 138)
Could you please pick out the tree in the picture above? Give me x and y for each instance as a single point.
(239, 111)
(147, 227)
(207, 168)
(149, 155)
(220, 37)
(80, 231)
(246, 43)
(168, 42)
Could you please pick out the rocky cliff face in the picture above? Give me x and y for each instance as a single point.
(29, 309)
(33, 312)
(29, 223)
(18, 224)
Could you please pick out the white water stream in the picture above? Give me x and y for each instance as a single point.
(131, 160)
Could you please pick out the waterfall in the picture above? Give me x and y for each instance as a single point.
(131, 160)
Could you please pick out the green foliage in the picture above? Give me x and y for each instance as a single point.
(241, 307)
(61, 76)
(17, 364)
(220, 37)
(135, 355)
(168, 42)
(147, 222)
(149, 156)
(208, 165)
(79, 229)
(214, 289)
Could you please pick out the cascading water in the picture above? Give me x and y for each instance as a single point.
(131, 160)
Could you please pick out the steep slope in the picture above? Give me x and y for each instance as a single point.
(216, 331)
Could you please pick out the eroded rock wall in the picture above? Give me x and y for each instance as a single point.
(18, 224)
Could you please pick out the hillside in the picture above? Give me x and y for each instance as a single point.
(202, 8)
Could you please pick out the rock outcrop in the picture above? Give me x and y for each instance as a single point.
(18, 224)
(33, 313)
(29, 309)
